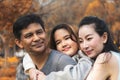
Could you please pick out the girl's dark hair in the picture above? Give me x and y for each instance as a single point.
(100, 28)
(62, 26)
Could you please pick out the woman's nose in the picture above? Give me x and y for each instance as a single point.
(85, 46)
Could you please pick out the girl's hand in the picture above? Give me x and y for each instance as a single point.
(33, 73)
(41, 76)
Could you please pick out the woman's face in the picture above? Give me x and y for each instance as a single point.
(64, 43)
(90, 42)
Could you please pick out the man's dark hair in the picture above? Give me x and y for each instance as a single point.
(24, 21)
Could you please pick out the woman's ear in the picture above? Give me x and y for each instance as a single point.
(18, 43)
(105, 37)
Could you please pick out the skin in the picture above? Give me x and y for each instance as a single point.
(64, 43)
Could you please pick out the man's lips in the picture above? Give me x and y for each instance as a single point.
(38, 44)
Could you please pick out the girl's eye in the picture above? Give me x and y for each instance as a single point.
(57, 42)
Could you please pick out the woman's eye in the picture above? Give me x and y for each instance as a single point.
(80, 41)
(89, 39)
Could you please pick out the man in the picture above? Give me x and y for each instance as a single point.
(30, 35)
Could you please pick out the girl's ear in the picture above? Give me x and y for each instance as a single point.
(18, 43)
(105, 37)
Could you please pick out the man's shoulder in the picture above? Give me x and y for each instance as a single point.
(58, 54)
(55, 52)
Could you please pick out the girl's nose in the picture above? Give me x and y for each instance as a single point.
(63, 44)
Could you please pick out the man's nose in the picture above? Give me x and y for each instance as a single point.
(36, 37)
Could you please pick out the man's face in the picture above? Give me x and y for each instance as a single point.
(33, 39)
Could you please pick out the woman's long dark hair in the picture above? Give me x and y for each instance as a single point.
(100, 28)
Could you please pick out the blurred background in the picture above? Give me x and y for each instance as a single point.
(53, 12)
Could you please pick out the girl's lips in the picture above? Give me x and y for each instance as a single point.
(66, 49)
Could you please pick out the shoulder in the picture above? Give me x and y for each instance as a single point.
(107, 57)
(104, 57)
(61, 58)
(27, 57)
(106, 61)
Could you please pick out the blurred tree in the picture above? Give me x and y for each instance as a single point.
(116, 32)
(109, 11)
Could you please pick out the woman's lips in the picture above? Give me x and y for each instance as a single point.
(88, 52)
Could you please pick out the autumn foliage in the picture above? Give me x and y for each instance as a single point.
(8, 72)
(53, 13)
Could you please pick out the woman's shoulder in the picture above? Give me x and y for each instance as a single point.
(108, 57)
(107, 61)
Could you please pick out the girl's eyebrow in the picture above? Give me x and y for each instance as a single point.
(66, 36)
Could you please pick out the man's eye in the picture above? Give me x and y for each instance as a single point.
(28, 35)
(39, 32)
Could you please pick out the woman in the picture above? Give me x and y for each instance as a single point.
(94, 39)
(64, 40)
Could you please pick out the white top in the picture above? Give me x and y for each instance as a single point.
(118, 58)
(27, 62)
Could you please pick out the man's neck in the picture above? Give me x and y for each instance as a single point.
(40, 59)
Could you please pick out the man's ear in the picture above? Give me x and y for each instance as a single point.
(105, 37)
(18, 43)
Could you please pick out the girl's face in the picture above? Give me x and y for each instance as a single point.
(64, 43)
(91, 43)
